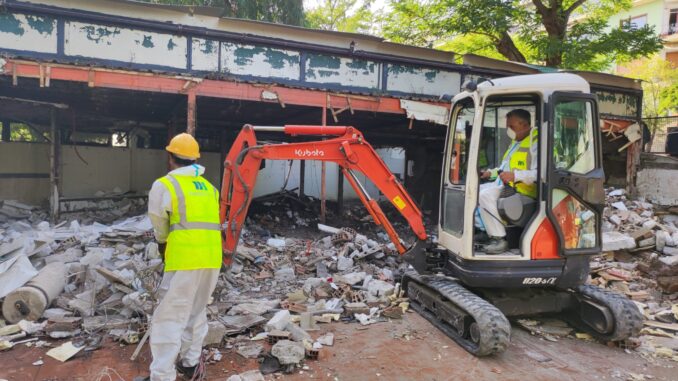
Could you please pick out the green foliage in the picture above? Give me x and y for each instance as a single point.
(660, 85)
(21, 132)
(572, 34)
(342, 15)
(289, 12)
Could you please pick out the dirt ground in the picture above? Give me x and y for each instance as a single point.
(408, 349)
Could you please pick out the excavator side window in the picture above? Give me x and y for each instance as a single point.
(460, 145)
(456, 167)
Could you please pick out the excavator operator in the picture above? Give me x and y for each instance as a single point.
(518, 170)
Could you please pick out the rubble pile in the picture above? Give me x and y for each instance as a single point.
(640, 260)
(73, 286)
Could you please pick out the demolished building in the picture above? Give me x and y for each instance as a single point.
(102, 89)
(91, 91)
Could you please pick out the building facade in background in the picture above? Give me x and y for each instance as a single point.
(662, 15)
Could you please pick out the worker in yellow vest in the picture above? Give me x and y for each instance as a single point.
(184, 210)
(518, 169)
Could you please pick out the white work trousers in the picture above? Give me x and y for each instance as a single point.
(179, 323)
(487, 201)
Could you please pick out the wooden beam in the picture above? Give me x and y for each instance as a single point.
(140, 81)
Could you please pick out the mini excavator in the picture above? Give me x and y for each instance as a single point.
(465, 292)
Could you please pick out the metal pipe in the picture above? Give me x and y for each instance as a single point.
(268, 128)
(323, 171)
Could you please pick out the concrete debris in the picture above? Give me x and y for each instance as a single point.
(215, 333)
(279, 321)
(14, 273)
(613, 241)
(288, 352)
(326, 339)
(250, 350)
(640, 261)
(276, 294)
(251, 375)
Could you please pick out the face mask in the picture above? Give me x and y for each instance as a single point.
(511, 134)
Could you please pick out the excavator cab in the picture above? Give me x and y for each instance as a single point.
(560, 218)
(553, 224)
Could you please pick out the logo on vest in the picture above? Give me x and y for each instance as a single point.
(309, 153)
(199, 185)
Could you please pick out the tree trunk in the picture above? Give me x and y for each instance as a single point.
(555, 21)
(508, 49)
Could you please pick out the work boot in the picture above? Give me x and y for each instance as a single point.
(497, 245)
(186, 371)
(481, 237)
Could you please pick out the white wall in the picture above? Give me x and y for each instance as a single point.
(658, 185)
(133, 169)
(24, 158)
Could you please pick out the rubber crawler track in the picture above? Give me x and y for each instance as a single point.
(495, 329)
(628, 321)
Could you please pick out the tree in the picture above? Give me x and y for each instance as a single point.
(570, 34)
(342, 15)
(289, 12)
(660, 87)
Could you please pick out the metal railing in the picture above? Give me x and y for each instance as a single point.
(659, 128)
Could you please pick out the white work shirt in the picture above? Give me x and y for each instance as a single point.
(527, 176)
(160, 201)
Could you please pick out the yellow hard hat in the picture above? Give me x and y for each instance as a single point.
(184, 146)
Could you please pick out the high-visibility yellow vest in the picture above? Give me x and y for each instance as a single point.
(520, 160)
(194, 240)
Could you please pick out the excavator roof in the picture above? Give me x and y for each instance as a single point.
(534, 83)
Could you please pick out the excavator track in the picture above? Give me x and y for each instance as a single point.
(623, 318)
(466, 318)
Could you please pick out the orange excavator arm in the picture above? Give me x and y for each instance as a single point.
(347, 148)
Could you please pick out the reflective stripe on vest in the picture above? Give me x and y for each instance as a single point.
(194, 241)
(520, 160)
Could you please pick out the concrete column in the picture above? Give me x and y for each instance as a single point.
(6, 132)
(340, 192)
(302, 177)
(191, 113)
(55, 148)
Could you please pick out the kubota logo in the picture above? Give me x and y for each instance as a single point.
(309, 153)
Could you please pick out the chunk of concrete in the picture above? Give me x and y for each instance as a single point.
(250, 350)
(673, 251)
(296, 333)
(279, 321)
(70, 255)
(288, 352)
(613, 241)
(276, 243)
(215, 333)
(344, 263)
(352, 278)
(250, 375)
(661, 238)
(671, 260)
(285, 274)
(326, 339)
(379, 291)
